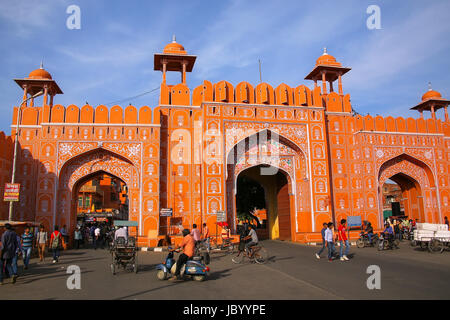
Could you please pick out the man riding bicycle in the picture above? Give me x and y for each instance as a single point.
(254, 239)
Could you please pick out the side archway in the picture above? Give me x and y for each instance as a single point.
(89, 164)
(417, 185)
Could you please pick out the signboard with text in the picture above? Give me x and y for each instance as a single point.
(221, 216)
(166, 212)
(353, 221)
(12, 191)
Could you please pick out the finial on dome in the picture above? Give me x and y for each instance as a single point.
(429, 86)
(42, 65)
(174, 39)
(324, 51)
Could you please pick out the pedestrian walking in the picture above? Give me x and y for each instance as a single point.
(342, 235)
(65, 236)
(77, 237)
(41, 242)
(205, 235)
(96, 237)
(27, 246)
(324, 245)
(398, 235)
(8, 252)
(16, 256)
(55, 243)
(329, 238)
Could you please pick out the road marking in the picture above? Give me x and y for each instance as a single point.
(303, 282)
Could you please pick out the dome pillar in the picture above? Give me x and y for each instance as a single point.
(45, 94)
(324, 83)
(341, 92)
(25, 94)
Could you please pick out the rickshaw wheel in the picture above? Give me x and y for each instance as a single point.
(199, 278)
(135, 268)
(113, 269)
(161, 275)
(423, 245)
(435, 246)
(360, 243)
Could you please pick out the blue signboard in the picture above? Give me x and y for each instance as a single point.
(354, 221)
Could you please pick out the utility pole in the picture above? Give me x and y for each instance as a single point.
(16, 143)
(260, 78)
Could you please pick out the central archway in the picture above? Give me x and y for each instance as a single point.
(100, 197)
(273, 196)
(271, 152)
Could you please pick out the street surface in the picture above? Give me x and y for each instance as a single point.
(292, 272)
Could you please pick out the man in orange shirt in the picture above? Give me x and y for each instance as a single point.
(206, 236)
(188, 245)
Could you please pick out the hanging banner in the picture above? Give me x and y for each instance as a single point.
(12, 191)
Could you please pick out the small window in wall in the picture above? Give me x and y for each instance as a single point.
(87, 202)
(80, 202)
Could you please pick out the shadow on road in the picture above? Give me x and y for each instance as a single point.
(219, 274)
(146, 267)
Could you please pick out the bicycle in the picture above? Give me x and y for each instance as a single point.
(257, 254)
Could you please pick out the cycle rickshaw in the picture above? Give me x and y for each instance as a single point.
(124, 251)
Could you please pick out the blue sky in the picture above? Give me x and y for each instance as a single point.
(111, 57)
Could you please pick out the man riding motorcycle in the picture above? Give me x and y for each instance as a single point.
(369, 231)
(188, 245)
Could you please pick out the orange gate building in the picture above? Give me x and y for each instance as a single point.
(316, 160)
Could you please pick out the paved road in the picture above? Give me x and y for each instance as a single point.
(292, 272)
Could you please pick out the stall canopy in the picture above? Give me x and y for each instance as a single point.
(125, 223)
(19, 223)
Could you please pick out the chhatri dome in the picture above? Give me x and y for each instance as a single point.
(327, 60)
(174, 47)
(431, 94)
(40, 74)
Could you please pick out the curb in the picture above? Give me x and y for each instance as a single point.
(154, 249)
(337, 244)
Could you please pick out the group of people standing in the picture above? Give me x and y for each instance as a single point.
(13, 246)
(97, 234)
(330, 237)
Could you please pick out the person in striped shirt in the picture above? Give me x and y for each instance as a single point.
(27, 244)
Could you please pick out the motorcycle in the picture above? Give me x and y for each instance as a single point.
(407, 233)
(363, 240)
(385, 243)
(194, 268)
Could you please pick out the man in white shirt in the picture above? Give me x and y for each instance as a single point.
(121, 232)
(96, 236)
(329, 235)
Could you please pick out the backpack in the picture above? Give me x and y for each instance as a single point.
(56, 241)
